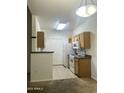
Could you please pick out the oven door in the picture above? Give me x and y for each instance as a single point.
(71, 64)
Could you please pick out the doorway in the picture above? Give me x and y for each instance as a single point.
(56, 45)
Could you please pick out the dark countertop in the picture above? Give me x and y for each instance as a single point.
(87, 56)
(42, 52)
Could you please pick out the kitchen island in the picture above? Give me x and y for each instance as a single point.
(41, 65)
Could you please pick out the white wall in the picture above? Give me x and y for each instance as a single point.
(90, 24)
(34, 41)
(41, 66)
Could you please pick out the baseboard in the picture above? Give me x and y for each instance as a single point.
(40, 80)
(58, 65)
(93, 77)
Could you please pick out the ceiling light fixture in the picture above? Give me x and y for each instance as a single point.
(61, 26)
(86, 10)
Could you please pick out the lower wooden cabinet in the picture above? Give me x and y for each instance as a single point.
(83, 67)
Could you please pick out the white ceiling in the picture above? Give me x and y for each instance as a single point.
(50, 11)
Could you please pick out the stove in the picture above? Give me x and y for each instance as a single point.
(71, 63)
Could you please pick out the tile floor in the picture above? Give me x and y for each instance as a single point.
(60, 72)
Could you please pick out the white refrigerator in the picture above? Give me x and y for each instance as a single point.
(68, 51)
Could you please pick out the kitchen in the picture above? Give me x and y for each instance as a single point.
(26, 67)
(59, 54)
(67, 50)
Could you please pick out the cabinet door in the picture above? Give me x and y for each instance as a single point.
(81, 40)
(70, 40)
(85, 67)
(40, 39)
(76, 68)
(73, 39)
(85, 40)
(77, 38)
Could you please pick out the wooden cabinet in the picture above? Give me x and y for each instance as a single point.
(85, 40)
(40, 39)
(76, 67)
(73, 39)
(70, 40)
(77, 37)
(83, 67)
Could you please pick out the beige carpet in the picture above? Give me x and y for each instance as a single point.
(74, 85)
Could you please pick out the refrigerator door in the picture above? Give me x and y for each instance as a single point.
(68, 51)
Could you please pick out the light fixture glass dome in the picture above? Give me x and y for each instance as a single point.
(86, 11)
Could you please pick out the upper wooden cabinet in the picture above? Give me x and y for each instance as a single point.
(73, 39)
(70, 40)
(77, 38)
(40, 39)
(85, 40)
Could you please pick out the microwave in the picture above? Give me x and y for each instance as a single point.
(76, 45)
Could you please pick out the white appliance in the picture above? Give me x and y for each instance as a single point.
(76, 45)
(67, 50)
(71, 63)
